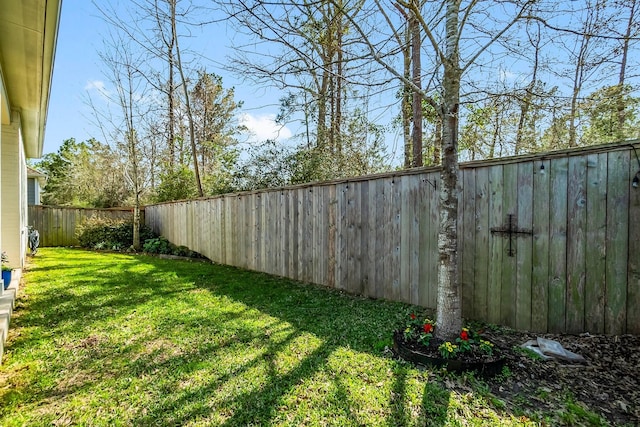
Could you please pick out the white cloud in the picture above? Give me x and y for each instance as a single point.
(507, 75)
(97, 85)
(263, 127)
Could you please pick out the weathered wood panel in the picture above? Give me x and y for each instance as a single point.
(540, 256)
(398, 292)
(365, 239)
(576, 243)
(372, 228)
(509, 284)
(633, 276)
(524, 247)
(617, 242)
(428, 225)
(58, 226)
(595, 255)
(385, 221)
(497, 243)
(558, 244)
(468, 243)
(481, 255)
(377, 236)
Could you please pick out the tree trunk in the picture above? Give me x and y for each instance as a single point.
(416, 45)
(192, 132)
(525, 105)
(573, 113)
(322, 111)
(449, 308)
(621, 107)
(406, 102)
(339, 87)
(171, 139)
(136, 225)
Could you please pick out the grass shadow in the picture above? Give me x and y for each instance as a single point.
(192, 342)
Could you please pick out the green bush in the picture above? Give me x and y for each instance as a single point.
(100, 233)
(114, 235)
(160, 245)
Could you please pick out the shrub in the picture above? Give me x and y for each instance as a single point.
(160, 245)
(102, 233)
(117, 235)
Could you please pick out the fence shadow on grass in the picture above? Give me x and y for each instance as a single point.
(90, 294)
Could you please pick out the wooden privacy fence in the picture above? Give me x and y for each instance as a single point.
(57, 225)
(549, 242)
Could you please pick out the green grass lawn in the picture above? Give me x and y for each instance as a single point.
(110, 339)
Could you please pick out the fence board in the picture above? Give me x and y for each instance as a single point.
(365, 264)
(481, 262)
(434, 225)
(496, 243)
(384, 250)
(467, 253)
(323, 211)
(540, 258)
(292, 235)
(258, 230)
(576, 244)
(331, 271)
(412, 188)
(423, 270)
(398, 293)
(633, 286)
(617, 241)
(405, 238)
(308, 233)
(524, 252)
(558, 244)
(596, 226)
(508, 279)
(354, 238)
(224, 238)
(342, 233)
(247, 226)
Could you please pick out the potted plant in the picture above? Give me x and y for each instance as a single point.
(6, 270)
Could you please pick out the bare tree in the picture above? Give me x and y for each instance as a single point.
(122, 70)
(152, 25)
(586, 54)
(309, 49)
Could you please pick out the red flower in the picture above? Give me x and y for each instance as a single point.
(464, 335)
(413, 316)
(428, 327)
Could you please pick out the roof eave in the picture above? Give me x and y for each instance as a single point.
(28, 37)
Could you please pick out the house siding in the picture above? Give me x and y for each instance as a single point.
(13, 186)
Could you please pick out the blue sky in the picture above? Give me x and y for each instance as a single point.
(77, 72)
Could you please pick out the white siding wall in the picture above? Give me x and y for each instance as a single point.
(13, 187)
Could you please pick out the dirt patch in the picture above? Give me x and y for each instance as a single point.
(607, 384)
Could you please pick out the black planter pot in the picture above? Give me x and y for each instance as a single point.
(403, 351)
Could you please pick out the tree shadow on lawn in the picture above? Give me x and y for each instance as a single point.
(340, 323)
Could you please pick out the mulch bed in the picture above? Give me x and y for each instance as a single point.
(608, 384)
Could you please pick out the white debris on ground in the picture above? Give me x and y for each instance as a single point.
(551, 349)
